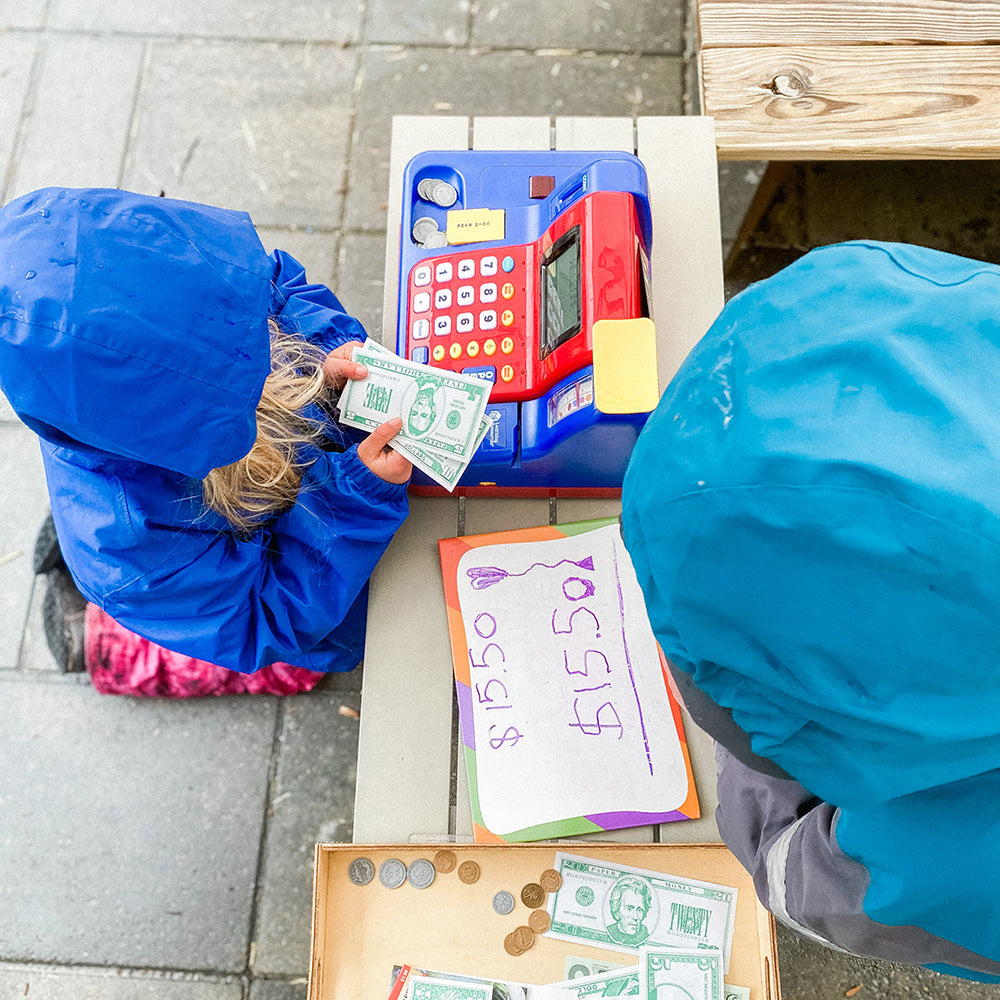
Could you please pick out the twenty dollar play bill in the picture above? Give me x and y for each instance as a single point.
(624, 908)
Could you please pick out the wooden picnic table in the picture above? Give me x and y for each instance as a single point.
(411, 782)
(843, 79)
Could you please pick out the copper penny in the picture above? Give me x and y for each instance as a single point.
(550, 880)
(511, 946)
(468, 872)
(539, 921)
(532, 895)
(524, 937)
(444, 861)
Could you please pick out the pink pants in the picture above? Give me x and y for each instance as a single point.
(121, 662)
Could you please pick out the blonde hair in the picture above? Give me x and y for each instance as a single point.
(267, 479)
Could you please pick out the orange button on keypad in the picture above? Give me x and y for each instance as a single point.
(507, 317)
(472, 347)
(507, 345)
(507, 291)
(455, 350)
(438, 352)
(507, 373)
(489, 347)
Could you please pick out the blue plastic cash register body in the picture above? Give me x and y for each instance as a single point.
(569, 246)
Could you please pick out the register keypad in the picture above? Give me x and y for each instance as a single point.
(467, 314)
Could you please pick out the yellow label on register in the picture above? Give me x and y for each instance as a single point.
(625, 366)
(475, 225)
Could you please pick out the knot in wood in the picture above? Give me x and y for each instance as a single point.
(787, 85)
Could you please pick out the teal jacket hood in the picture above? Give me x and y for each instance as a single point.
(134, 325)
(813, 512)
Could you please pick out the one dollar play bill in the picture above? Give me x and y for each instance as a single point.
(441, 411)
(624, 908)
(667, 974)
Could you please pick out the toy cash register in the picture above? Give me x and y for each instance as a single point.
(530, 270)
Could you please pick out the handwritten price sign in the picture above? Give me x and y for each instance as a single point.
(566, 707)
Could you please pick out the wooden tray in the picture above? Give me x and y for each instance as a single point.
(360, 932)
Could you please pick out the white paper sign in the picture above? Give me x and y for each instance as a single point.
(569, 706)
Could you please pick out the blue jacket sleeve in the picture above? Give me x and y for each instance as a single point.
(241, 603)
(309, 309)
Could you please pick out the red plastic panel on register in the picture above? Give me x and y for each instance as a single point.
(484, 311)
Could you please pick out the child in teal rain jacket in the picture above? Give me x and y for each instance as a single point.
(813, 512)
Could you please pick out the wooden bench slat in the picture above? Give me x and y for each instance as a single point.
(863, 102)
(846, 22)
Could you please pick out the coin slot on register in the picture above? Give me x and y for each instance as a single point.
(507, 282)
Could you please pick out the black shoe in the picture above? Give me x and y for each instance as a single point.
(47, 554)
(62, 618)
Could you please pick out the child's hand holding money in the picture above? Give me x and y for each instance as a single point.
(338, 366)
(375, 452)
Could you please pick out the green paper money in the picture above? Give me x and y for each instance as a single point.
(441, 411)
(666, 974)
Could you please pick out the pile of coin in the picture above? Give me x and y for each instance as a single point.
(420, 873)
(426, 233)
(437, 191)
(533, 894)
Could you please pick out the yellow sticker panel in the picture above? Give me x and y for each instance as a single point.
(475, 225)
(625, 366)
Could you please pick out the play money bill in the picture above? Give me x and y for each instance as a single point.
(445, 471)
(612, 983)
(666, 974)
(421, 988)
(441, 411)
(575, 967)
(624, 908)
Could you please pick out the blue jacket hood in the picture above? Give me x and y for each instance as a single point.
(134, 325)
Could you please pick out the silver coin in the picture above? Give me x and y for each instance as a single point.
(443, 194)
(503, 902)
(425, 187)
(420, 874)
(423, 228)
(436, 239)
(392, 873)
(361, 871)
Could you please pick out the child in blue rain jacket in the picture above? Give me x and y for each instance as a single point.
(139, 338)
(813, 512)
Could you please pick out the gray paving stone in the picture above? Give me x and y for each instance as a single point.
(17, 54)
(111, 984)
(268, 989)
(77, 132)
(313, 802)
(360, 281)
(35, 654)
(427, 81)
(811, 972)
(600, 25)
(23, 506)
(22, 14)
(419, 22)
(263, 128)
(129, 828)
(306, 20)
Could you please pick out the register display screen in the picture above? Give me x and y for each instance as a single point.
(560, 292)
